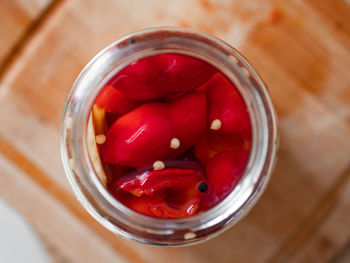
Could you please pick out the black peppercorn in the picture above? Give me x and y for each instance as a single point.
(202, 187)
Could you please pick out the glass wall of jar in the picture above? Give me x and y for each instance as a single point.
(92, 193)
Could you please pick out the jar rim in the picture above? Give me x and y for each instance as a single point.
(82, 177)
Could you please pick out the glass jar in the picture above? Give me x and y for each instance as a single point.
(92, 193)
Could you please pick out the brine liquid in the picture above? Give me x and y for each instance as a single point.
(174, 135)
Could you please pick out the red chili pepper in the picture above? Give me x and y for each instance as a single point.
(172, 192)
(144, 135)
(223, 173)
(113, 101)
(156, 76)
(226, 105)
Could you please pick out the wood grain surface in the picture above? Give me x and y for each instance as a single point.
(16, 17)
(301, 48)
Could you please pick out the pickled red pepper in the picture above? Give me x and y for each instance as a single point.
(143, 135)
(156, 184)
(170, 111)
(226, 105)
(113, 101)
(156, 76)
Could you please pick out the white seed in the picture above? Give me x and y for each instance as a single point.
(216, 125)
(158, 165)
(174, 143)
(100, 139)
(189, 235)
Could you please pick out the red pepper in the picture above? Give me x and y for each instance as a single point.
(156, 76)
(226, 104)
(151, 181)
(189, 119)
(172, 192)
(223, 172)
(144, 135)
(173, 97)
(139, 137)
(142, 205)
(213, 143)
(176, 203)
(158, 206)
(113, 101)
(117, 171)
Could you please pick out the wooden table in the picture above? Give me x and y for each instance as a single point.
(301, 48)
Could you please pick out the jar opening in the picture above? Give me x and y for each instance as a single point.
(93, 194)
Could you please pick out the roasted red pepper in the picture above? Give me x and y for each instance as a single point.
(151, 181)
(226, 105)
(176, 203)
(172, 192)
(160, 206)
(145, 134)
(113, 101)
(156, 76)
(223, 172)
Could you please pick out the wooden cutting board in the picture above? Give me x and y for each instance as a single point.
(301, 48)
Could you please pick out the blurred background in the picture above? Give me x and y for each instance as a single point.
(301, 48)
